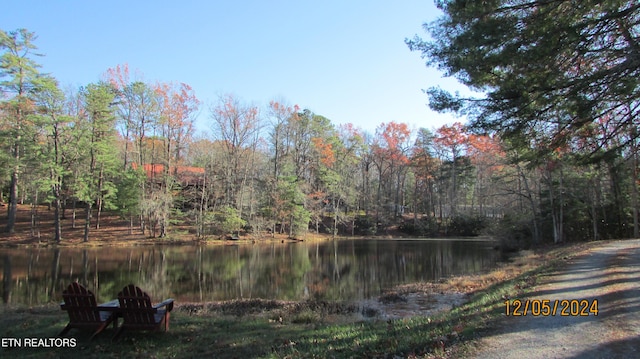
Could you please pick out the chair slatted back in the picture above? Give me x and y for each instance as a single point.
(136, 307)
(81, 304)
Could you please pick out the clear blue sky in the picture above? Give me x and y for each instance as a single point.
(343, 59)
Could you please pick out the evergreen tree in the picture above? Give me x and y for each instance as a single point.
(96, 184)
(549, 69)
(20, 80)
(53, 123)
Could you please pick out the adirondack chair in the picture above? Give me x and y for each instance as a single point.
(84, 313)
(138, 313)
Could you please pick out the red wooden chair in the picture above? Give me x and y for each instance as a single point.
(84, 313)
(138, 313)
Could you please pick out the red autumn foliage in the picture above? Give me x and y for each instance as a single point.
(452, 138)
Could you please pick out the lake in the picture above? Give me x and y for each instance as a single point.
(329, 270)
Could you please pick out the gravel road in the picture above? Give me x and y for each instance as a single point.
(608, 273)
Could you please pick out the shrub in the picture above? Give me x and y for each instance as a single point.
(513, 232)
(425, 226)
(467, 225)
(365, 225)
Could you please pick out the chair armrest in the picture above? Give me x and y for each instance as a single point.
(166, 303)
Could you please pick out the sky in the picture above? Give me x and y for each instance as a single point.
(345, 60)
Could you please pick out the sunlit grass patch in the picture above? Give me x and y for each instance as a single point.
(306, 316)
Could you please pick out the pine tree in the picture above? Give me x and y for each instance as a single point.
(548, 69)
(96, 185)
(53, 124)
(21, 80)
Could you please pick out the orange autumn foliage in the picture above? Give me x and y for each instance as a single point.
(325, 151)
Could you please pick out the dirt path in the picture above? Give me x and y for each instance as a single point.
(609, 273)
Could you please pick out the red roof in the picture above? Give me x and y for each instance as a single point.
(186, 174)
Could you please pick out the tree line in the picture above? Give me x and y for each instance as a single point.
(127, 146)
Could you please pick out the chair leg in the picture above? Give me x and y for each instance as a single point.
(167, 315)
(65, 330)
(117, 335)
(99, 330)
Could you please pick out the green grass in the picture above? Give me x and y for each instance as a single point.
(304, 333)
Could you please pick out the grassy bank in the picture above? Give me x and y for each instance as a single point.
(272, 329)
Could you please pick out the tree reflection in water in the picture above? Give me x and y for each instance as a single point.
(332, 270)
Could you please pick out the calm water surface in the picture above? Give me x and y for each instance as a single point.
(332, 270)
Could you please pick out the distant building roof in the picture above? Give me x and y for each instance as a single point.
(184, 174)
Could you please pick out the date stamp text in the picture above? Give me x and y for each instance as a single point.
(548, 307)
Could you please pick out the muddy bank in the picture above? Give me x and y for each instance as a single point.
(396, 304)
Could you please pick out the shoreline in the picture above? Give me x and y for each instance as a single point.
(6, 241)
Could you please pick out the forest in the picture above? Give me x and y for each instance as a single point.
(549, 153)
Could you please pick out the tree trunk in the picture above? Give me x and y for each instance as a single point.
(532, 203)
(618, 202)
(336, 203)
(291, 226)
(34, 216)
(415, 201)
(634, 189)
(594, 211)
(73, 214)
(454, 189)
(557, 213)
(13, 203)
(200, 224)
(87, 222)
(365, 189)
(57, 230)
(99, 197)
